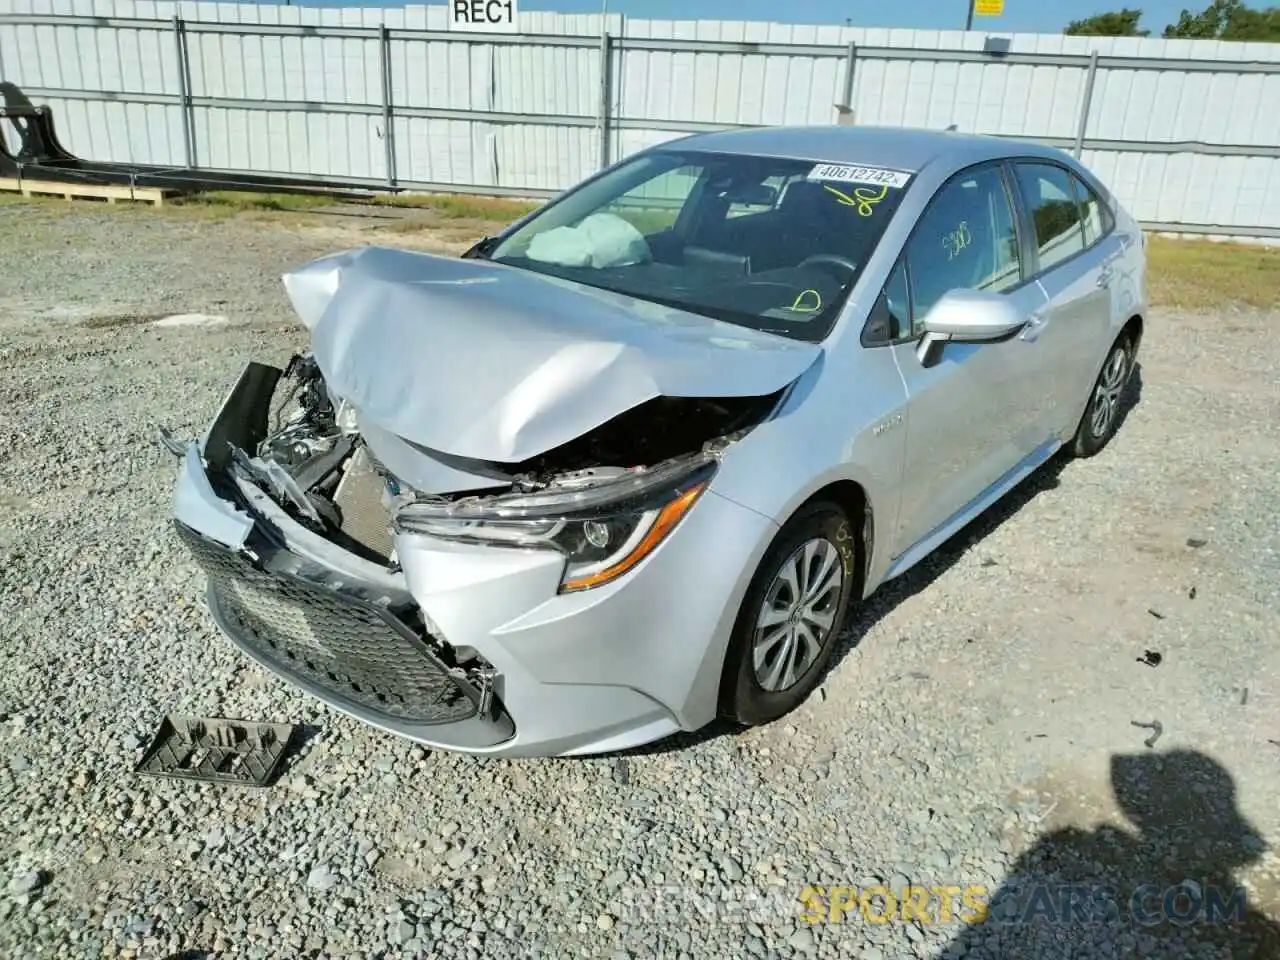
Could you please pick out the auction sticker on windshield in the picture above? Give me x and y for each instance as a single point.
(847, 174)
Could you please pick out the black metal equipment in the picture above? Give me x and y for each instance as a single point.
(36, 154)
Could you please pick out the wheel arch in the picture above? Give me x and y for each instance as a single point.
(1133, 328)
(851, 497)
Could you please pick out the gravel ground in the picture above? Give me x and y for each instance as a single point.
(978, 729)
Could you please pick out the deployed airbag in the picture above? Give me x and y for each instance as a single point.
(601, 240)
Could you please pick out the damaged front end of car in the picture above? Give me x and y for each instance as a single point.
(604, 501)
(330, 539)
(294, 519)
(290, 523)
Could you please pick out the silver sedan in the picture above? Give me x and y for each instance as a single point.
(629, 466)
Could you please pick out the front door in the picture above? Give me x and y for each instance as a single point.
(970, 414)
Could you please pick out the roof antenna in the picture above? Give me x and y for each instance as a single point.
(953, 128)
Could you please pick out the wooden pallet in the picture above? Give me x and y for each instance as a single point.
(70, 191)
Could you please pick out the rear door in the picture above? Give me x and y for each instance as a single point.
(1074, 250)
(967, 414)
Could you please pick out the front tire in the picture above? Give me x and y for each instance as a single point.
(1102, 415)
(793, 611)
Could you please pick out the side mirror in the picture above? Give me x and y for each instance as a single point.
(968, 316)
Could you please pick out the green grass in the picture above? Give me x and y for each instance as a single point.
(482, 211)
(235, 201)
(457, 207)
(1184, 274)
(1205, 275)
(648, 221)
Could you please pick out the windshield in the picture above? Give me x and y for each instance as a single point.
(763, 242)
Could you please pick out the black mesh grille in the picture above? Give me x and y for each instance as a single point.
(351, 647)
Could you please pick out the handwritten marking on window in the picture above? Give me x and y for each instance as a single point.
(864, 198)
(957, 240)
(812, 304)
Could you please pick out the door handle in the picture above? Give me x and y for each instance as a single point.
(1104, 277)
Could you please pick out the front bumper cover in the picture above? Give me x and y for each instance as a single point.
(354, 645)
(362, 652)
(560, 675)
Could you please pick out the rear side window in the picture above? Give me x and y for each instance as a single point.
(1094, 213)
(1050, 200)
(966, 239)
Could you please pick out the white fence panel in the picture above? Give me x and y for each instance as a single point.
(1184, 132)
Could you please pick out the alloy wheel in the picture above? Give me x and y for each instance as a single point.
(797, 615)
(1106, 395)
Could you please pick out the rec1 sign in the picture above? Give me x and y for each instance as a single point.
(484, 16)
(988, 8)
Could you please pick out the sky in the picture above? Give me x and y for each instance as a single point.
(1038, 16)
(1035, 16)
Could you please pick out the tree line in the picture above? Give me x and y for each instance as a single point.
(1221, 20)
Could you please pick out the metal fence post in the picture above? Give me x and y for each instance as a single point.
(1086, 102)
(845, 107)
(184, 91)
(388, 118)
(606, 91)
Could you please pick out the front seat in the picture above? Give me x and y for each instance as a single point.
(801, 218)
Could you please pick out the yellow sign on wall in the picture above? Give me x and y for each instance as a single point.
(988, 8)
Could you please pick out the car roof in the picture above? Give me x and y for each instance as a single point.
(899, 148)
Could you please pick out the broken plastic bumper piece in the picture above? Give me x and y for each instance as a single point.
(217, 750)
(364, 655)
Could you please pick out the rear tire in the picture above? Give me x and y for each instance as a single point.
(1102, 415)
(791, 616)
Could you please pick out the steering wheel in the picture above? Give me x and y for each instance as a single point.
(829, 259)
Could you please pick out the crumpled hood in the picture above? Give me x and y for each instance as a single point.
(495, 363)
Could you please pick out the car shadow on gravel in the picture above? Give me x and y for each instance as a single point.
(1131, 396)
(927, 571)
(1164, 886)
(872, 610)
(297, 751)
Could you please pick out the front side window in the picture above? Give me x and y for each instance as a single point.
(890, 318)
(771, 243)
(897, 302)
(965, 239)
(1046, 188)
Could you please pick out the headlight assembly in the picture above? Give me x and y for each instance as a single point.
(603, 529)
